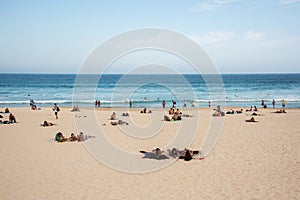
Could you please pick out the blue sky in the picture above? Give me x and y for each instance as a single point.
(239, 36)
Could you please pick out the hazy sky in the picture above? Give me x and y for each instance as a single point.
(239, 36)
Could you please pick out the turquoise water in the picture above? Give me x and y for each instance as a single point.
(149, 90)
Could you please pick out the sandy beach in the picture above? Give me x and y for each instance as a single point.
(250, 160)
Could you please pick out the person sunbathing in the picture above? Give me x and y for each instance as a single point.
(230, 112)
(155, 154)
(248, 110)
(239, 111)
(59, 137)
(47, 124)
(187, 154)
(251, 120)
(81, 137)
(255, 108)
(280, 111)
(73, 138)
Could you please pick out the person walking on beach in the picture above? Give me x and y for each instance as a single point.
(283, 103)
(130, 104)
(56, 110)
(273, 103)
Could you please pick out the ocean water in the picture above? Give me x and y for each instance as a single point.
(149, 90)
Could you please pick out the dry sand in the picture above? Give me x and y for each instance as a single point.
(250, 160)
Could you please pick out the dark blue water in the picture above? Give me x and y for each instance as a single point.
(149, 90)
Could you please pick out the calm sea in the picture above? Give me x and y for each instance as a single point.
(149, 90)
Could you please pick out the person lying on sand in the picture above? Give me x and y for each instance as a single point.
(119, 122)
(239, 111)
(249, 110)
(230, 111)
(188, 154)
(73, 138)
(59, 137)
(81, 137)
(47, 124)
(251, 120)
(155, 154)
(218, 112)
(280, 111)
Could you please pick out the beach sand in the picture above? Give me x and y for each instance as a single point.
(250, 160)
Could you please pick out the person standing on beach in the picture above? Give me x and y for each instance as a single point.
(56, 110)
(283, 103)
(130, 104)
(262, 103)
(163, 103)
(174, 104)
(209, 104)
(273, 103)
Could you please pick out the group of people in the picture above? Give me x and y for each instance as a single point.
(97, 103)
(185, 154)
(115, 121)
(176, 115)
(283, 103)
(11, 118)
(59, 137)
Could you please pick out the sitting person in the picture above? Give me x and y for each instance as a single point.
(178, 111)
(73, 138)
(144, 110)
(251, 120)
(171, 111)
(75, 109)
(34, 107)
(218, 112)
(113, 116)
(47, 124)
(12, 118)
(255, 108)
(176, 117)
(125, 114)
(6, 110)
(59, 137)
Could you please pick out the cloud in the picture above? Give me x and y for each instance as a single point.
(254, 36)
(210, 5)
(289, 1)
(215, 37)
